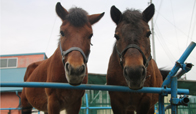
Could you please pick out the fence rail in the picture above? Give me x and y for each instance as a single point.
(92, 87)
(163, 91)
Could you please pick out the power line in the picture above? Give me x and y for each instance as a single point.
(158, 10)
(173, 24)
(191, 21)
(51, 33)
(164, 45)
(194, 24)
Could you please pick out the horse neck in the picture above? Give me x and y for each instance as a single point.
(55, 68)
(57, 57)
(114, 59)
(151, 69)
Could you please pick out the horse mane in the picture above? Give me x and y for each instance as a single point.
(132, 16)
(77, 17)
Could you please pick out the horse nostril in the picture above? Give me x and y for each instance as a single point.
(67, 66)
(82, 69)
(125, 71)
(143, 71)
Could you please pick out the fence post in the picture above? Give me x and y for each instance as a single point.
(174, 99)
(87, 107)
(161, 104)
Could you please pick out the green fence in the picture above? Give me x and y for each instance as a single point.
(101, 99)
(97, 99)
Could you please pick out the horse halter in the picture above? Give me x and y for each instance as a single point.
(121, 54)
(64, 53)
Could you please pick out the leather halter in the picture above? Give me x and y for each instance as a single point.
(121, 54)
(64, 53)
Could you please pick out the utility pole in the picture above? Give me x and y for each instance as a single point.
(153, 41)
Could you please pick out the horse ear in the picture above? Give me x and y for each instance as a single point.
(95, 18)
(115, 14)
(61, 12)
(148, 13)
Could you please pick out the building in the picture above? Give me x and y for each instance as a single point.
(12, 69)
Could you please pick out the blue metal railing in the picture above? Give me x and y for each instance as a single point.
(91, 87)
(179, 64)
(172, 79)
(163, 91)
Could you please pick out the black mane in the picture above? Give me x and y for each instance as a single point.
(77, 17)
(132, 16)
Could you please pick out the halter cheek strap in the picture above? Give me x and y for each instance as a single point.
(121, 54)
(64, 53)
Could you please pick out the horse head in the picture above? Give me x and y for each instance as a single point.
(75, 41)
(133, 44)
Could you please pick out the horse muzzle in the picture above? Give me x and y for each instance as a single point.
(75, 75)
(135, 76)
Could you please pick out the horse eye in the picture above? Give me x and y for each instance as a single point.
(62, 33)
(148, 34)
(90, 36)
(117, 37)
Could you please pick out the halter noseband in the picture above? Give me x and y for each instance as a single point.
(64, 53)
(121, 54)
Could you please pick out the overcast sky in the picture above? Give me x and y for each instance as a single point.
(31, 26)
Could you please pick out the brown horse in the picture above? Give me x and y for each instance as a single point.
(131, 64)
(30, 69)
(68, 64)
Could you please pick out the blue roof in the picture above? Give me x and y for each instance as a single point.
(41, 53)
(23, 54)
(12, 75)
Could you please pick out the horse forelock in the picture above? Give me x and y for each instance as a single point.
(77, 17)
(133, 24)
(132, 16)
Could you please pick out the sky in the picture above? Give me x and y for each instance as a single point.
(33, 26)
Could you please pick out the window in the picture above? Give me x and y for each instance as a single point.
(8, 63)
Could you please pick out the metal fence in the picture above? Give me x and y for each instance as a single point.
(163, 91)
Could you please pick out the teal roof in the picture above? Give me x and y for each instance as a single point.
(41, 53)
(12, 75)
(22, 54)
